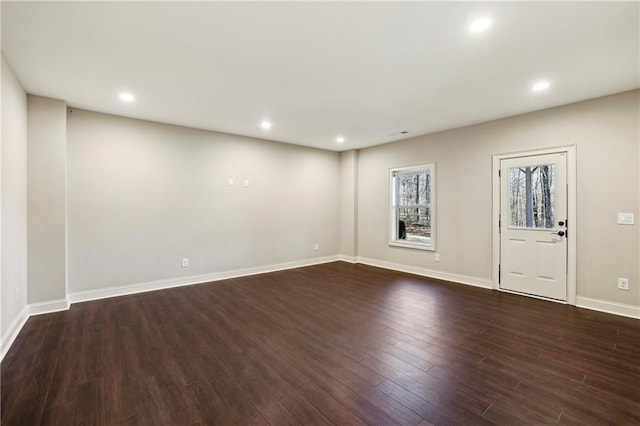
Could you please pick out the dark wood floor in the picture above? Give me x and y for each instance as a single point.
(329, 344)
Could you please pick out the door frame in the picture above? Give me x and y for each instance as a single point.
(570, 151)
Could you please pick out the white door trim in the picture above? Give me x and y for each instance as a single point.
(571, 213)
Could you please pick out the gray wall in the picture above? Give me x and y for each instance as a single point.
(14, 197)
(606, 134)
(348, 206)
(47, 159)
(143, 195)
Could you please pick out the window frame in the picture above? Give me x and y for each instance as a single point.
(393, 207)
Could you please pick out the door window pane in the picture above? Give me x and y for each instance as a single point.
(532, 196)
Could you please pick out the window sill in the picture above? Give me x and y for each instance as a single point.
(412, 245)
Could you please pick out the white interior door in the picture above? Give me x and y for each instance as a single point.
(533, 225)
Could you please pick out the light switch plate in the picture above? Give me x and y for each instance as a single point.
(626, 219)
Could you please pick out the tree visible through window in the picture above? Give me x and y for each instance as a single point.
(532, 196)
(412, 219)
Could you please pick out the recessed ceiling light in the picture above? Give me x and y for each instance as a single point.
(480, 25)
(265, 124)
(340, 139)
(540, 86)
(126, 97)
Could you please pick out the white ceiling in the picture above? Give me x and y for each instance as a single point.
(319, 70)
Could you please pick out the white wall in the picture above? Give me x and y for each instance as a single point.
(46, 201)
(606, 134)
(14, 200)
(143, 195)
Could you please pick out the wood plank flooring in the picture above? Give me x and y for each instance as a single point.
(329, 344)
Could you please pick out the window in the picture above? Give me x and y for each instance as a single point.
(532, 196)
(412, 207)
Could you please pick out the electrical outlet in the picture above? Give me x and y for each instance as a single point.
(316, 247)
(185, 262)
(623, 283)
(436, 257)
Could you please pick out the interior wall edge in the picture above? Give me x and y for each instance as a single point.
(64, 304)
(46, 199)
(430, 273)
(13, 203)
(13, 330)
(608, 307)
(348, 259)
(600, 305)
(48, 307)
(85, 296)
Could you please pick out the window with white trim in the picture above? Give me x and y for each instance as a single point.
(413, 207)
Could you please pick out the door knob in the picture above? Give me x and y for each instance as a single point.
(561, 223)
(559, 233)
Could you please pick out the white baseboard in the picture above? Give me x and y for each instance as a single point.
(621, 309)
(446, 276)
(13, 331)
(85, 296)
(63, 304)
(48, 307)
(349, 259)
(630, 311)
